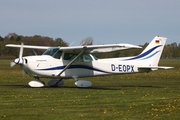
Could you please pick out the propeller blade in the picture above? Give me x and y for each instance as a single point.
(21, 50)
(12, 64)
(22, 73)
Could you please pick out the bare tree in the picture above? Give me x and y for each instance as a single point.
(87, 41)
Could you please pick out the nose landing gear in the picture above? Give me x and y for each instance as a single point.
(36, 83)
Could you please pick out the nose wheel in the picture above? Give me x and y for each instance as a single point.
(36, 83)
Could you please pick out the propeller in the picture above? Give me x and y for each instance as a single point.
(21, 50)
(12, 64)
(18, 60)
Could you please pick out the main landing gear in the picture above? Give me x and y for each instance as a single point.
(37, 83)
(82, 83)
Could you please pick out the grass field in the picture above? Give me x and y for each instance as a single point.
(154, 95)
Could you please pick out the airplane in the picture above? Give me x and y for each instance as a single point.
(59, 63)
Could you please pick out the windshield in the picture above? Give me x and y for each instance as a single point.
(54, 52)
(95, 57)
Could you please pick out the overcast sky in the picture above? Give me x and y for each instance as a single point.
(106, 21)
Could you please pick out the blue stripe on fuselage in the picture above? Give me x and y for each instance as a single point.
(75, 67)
(145, 54)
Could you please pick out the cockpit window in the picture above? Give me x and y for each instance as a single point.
(54, 52)
(57, 54)
(50, 51)
(95, 57)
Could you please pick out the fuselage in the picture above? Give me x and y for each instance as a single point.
(56, 63)
(48, 66)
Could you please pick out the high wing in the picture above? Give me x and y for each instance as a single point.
(28, 46)
(99, 48)
(87, 49)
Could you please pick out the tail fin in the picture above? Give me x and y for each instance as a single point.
(152, 53)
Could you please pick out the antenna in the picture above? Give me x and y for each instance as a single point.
(72, 43)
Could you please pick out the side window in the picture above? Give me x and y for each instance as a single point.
(86, 58)
(83, 58)
(69, 56)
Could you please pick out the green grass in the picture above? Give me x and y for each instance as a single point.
(154, 95)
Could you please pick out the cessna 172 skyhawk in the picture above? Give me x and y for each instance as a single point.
(58, 63)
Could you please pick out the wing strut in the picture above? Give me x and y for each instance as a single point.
(67, 66)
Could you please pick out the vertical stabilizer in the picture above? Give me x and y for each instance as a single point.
(152, 53)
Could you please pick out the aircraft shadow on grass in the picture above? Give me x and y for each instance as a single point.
(89, 88)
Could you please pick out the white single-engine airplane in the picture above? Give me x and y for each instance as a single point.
(58, 63)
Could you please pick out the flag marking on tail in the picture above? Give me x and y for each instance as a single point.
(157, 41)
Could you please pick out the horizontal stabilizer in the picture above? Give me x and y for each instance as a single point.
(155, 67)
(164, 67)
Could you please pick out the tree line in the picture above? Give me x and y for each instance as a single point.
(12, 38)
(171, 51)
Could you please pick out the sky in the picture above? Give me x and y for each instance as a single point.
(106, 21)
